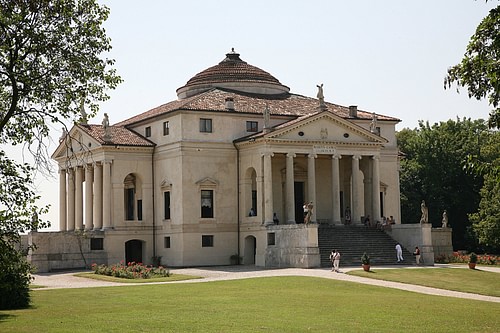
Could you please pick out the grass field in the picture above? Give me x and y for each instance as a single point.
(459, 279)
(277, 304)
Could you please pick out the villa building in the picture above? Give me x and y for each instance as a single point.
(224, 170)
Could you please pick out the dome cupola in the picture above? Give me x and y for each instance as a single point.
(235, 74)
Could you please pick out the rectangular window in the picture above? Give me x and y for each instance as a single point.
(166, 242)
(271, 238)
(254, 201)
(206, 125)
(166, 205)
(207, 203)
(129, 193)
(139, 210)
(96, 244)
(148, 131)
(165, 128)
(252, 126)
(207, 241)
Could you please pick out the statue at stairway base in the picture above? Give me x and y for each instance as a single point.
(425, 213)
(307, 218)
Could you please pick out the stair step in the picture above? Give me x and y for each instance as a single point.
(353, 241)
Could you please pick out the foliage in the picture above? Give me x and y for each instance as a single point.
(17, 214)
(434, 169)
(51, 66)
(486, 221)
(479, 69)
(459, 258)
(15, 277)
(132, 270)
(365, 259)
(473, 258)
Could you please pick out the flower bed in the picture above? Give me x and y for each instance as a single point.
(132, 270)
(461, 258)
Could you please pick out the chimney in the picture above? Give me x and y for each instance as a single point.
(353, 111)
(230, 104)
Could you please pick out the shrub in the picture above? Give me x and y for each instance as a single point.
(365, 259)
(131, 271)
(460, 258)
(15, 278)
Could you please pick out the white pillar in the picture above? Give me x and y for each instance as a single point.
(97, 196)
(62, 200)
(106, 192)
(268, 189)
(79, 199)
(336, 189)
(290, 195)
(376, 189)
(356, 217)
(89, 173)
(71, 200)
(311, 183)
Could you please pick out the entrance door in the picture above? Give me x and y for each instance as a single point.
(299, 202)
(133, 251)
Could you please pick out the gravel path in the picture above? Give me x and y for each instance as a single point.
(68, 280)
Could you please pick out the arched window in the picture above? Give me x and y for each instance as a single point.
(129, 194)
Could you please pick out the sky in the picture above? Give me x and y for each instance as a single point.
(386, 56)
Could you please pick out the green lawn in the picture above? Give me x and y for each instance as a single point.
(460, 279)
(277, 304)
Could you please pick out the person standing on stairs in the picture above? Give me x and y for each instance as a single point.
(399, 252)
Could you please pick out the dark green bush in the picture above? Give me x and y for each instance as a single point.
(15, 278)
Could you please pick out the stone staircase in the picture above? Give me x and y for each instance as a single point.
(353, 241)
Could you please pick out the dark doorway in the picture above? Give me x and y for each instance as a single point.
(133, 251)
(299, 202)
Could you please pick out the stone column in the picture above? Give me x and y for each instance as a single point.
(79, 198)
(311, 182)
(106, 193)
(97, 211)
(356, 217)
(268, 189)
(336, 190)
(89, 172)
(376, 189)
(290, 195)
(71, 200)
(62, 200)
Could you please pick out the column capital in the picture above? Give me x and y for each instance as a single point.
(337, 156)
(291, 155)
(89, 167)
(376, 157)
(356, 157)
(267, 153)
(61, 170)
(312, 155)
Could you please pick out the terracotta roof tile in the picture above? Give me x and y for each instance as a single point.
(119, 136)
(284, 104)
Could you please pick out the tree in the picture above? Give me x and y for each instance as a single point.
(479, 69)
(486, 221)
(433, 170)
(51, 67)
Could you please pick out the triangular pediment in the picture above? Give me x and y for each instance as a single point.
(324, 127)
(207, 182)
(74, 142)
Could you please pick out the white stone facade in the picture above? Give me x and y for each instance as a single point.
(180, 180)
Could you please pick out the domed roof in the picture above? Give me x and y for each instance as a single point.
(233, 73)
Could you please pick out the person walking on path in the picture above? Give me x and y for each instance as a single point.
(417, 255)
(335, 258)
(399, 252)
